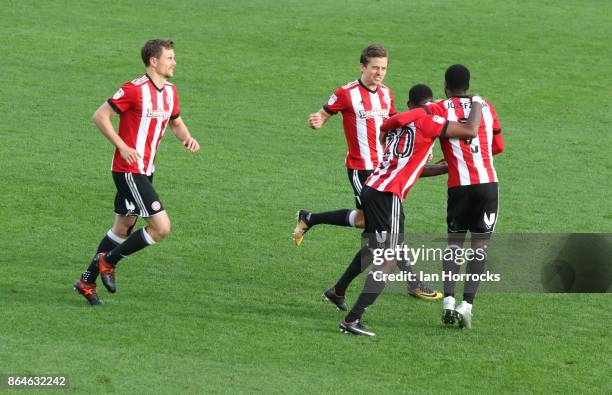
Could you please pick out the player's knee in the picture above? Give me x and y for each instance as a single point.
(159, 230)
(360, 219)
(163, 230)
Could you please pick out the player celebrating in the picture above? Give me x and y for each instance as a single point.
(364, 103)
(145, 106)
(472, 190)
(409, 143)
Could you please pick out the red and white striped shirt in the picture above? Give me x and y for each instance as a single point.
(409, 143)
(363, 111)
(144, 112)
(470, 161)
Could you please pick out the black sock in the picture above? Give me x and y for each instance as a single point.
(476, 265)
(360, 262)
(338, 218)
(371, 290)
(450, 269)
(106, 244)
(136, 242)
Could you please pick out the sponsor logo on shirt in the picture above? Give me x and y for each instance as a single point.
(375, 113)
(159, 114)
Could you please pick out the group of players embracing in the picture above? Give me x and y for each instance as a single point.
(387, 153)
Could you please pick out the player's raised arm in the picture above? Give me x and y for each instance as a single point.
(470, 128)
(102, 119)
(182, 133)
(318, 119)
(402, 119)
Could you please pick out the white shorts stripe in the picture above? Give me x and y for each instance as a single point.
(395, 217)
(129, 178)
(356, 181)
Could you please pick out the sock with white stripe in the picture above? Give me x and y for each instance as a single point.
(338, 217)
(136, 242)
(110, 241)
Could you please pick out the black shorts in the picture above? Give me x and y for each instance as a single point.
(136, 195)
(357, 179)
(384, 218)
(473, 208)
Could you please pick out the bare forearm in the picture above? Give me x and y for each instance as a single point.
(102, 119)
(473, 121)
(105, 126)
(434, 170)
(318, 119)
(181, 131)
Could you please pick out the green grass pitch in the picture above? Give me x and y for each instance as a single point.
(227, 303)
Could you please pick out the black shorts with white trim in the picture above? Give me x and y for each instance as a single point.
(384, 218)
(136, 195)
(473, 208)
(357, 178)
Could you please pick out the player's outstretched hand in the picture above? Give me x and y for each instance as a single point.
(130, 155)
(315, 121)
(192, 144)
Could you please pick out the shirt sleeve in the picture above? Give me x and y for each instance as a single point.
(337, 102)
(438, 108)
(498, 144)
(124, 98)
(496, 124)
(432, 126)
(176, 111)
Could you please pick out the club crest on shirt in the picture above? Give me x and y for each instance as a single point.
(387, 99)
(168, 100)
(119, 94)
(332, 99)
